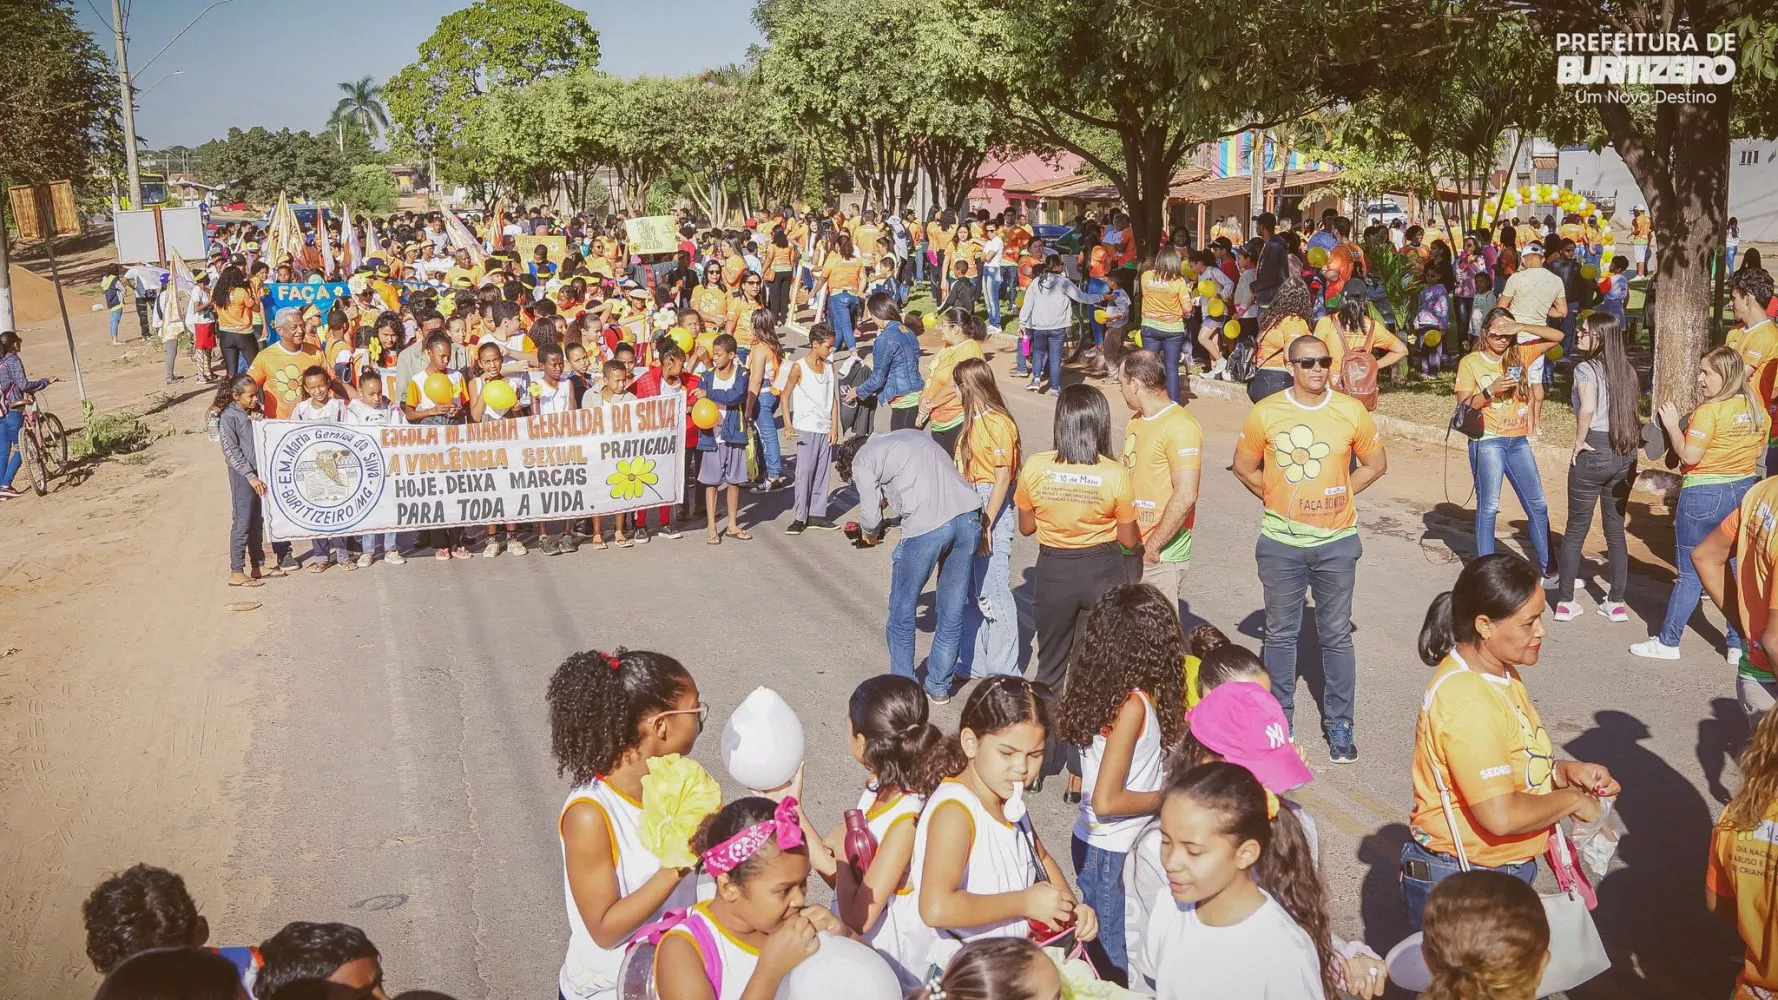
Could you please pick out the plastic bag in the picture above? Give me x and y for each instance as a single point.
(1597, 841)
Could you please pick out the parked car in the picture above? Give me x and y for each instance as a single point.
(305, 215)
(1385, 211)
(1061, 239)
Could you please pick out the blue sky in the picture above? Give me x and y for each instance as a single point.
(277, 63)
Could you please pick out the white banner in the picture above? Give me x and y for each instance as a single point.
(349, 479)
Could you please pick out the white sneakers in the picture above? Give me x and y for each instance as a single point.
(1617, 611)
(1652, 648)
(1566, 611)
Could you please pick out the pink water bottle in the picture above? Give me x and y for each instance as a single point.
(861, 847)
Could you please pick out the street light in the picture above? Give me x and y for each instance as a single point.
(144, 91)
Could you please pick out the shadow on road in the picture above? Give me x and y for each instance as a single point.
(1720, 738)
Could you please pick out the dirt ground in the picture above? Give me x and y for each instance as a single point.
(125, 681)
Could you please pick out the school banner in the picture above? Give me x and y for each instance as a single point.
(299, 294)
(651, 234)
(331, 479)
(525, 246)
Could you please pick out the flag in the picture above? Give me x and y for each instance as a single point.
(461, 236)
(499, 227)
(372, 248)
(354, 251)
(322, 243)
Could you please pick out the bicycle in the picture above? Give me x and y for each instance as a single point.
(43, 444)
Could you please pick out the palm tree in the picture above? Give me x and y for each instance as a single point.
(363, 104)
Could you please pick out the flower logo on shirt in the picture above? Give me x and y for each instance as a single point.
(287, 383)
(1299, 454)
(631, 476)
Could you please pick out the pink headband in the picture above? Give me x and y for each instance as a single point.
(784, 828)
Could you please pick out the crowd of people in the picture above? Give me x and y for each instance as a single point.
(1196, 874)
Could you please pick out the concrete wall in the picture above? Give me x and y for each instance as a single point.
(1753, 184)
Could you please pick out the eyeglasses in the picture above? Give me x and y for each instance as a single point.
(702, 712)
(1324, 361)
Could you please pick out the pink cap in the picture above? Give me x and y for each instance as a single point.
(1242, 721)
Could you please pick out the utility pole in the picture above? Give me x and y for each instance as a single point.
(1256, 192)
(129, 105)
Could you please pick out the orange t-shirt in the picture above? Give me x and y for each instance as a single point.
(843, 275)
(1015, 238)
(1154, 449)
(779, 258)
(740, 311)
(1508, 415)
(1307, 454)
(279, 371)
(732, 269)
(864, 240)
(1274, 344)
(1077, 506)
(1754, 528)
(711, 303)
(1733, 435)
(1099, 261)
(1341, 340)
(940, 238)
(1740, 868)
(989, 444)
(1166, 303)
(949, 410)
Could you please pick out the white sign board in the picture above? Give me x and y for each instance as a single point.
(344, 479)
(182, 229)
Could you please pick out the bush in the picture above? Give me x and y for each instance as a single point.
(371, 189)
(111, 434)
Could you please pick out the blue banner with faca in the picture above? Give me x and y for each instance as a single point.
(301, 294)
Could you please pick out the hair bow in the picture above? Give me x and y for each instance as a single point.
(784, 829)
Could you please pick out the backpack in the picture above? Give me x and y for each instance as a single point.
(1358, 374)
(1243, 360)
(113, 292)
(635, 976)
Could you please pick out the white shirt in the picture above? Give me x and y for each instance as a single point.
(898, 929)
(1146, 775)
(811, 401)
(994, 253)
(1002, 858)
(360, 412)
(332, 411)
(1265, 957)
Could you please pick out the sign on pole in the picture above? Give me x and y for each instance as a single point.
(44, 210)
(525, 246)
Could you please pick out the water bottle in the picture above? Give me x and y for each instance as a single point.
(213, 427)
(861, 847)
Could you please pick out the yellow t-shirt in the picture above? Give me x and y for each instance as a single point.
(1274, 344)
(1487, 740)
(1741, 866)
(991, 443)
(1341, 340)
(732, 269)
(939, 238)
(843, 275)
(1154, 449)
(711, 303)
(1077, 506)
(1758, 347)
(1754, 528)
(1165, 303)
(1733, 434)
(1507, 415)
(864, 240)
(1307, 454)
(948, 412)
(279, 371)
(473, 273)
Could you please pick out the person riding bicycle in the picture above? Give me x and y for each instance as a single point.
(15, 389)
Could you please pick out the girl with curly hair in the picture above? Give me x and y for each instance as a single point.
(1286, 319)
(1743, 865)
(1124, 706)
(609, 713)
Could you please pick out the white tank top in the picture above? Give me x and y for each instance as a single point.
(811, 400)
(735, 959)
(1146, 775)
(1002, 858)
(590, 972)
(898, 929)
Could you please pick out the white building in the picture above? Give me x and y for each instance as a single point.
(1753, 184)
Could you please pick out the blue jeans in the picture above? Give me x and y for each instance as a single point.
(1490, 460)
(116, 318)
(771, 454)
(10, 456)
(1101, 877)
(842, 307)
(1287, 574)
(1414, 891)
(951, 548)
(990, 642)
(991, 292)
(1170, 345)
(1009, 282)
(1701, 509)
(390, 541)
(1046, 356)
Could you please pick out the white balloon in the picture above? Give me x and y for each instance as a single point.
(762, 743)
(841, 967)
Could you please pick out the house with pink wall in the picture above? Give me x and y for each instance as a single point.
(990, 189)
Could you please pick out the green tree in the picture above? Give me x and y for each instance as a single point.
(369, 189)
(258, 164)
(494, 45)
(363, 105)
(59, 113)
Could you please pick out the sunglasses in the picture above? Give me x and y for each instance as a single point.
(1324, 361)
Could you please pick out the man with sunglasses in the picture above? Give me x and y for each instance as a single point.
(1296, 453)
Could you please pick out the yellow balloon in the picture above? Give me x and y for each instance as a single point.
(1589, 272)
(1555, 353)
(681, 337)
(1216, 308)
(1433, 337)
(1099, 315)
(499, 394)
(1231, 329)
(929, 321)
(439, 389)
(1607, 239)
(1138, 339)
(1206, 287)
(1317, 256)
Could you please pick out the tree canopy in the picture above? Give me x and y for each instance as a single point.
(60, 111)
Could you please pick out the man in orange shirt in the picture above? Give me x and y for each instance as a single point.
(1306, 436)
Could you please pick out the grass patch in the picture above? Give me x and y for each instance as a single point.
(107, 434)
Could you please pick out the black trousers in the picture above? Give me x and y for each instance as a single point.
(1068, 583)
(1602, 477)
(238, 351)
(903, 417)
(778, 300)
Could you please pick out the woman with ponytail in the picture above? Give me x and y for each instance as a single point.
(1479, 743)
(609, 714)
(1486, 939)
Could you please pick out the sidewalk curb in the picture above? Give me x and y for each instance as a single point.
(1392, 427)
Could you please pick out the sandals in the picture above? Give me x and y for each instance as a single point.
(712, 539)
(740, 535)
(246, 581)
(318, 567)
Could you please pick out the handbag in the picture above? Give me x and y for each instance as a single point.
(1576, 952)
(1467, 420)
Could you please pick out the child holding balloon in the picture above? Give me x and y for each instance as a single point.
(494, 395)
(722, 437)
(372, 408)
(438, 395)
(609, 715)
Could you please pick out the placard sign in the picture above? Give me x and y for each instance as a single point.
(345, 479)
(526, 246)
(306, 293)
(651, 234)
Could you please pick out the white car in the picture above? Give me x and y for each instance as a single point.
(1385, 212)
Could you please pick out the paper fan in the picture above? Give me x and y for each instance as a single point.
(677, 794)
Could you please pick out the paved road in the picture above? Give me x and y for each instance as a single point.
(400, 776)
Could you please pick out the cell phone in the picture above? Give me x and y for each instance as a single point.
(1417, 870)
(1514, 372)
